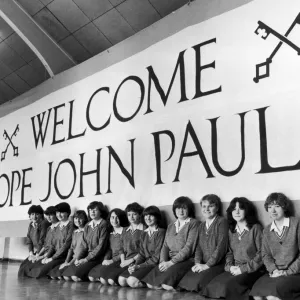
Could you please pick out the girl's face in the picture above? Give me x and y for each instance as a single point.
(275, 211)
(181, 212)
(76, 223)
(51, 219)
(150, 220)
(238, 213)
(62, 216)
(114, 220)
(95, 213)
(35, 217)
(133, 217)
(209, 210)
(80, 221)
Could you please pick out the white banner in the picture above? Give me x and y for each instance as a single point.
(212, 109)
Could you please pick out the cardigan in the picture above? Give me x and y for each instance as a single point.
(130, 242)
(282, 253)
(114, 247)
(36, 236)
(75, 245)
(245, 251)
(51, 233)
(94, 241)
(62, 240)
(150, 248)
(212, 242)
(180, 246)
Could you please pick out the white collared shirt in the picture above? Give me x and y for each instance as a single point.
(118, 230)
(94, 223)
(54, 225)
(286, 223)
(140, 227)
(150, 232)
(63, 224)
(179, 226)
(79, 230)
(237, 228)
(34, 224)
(208, 222)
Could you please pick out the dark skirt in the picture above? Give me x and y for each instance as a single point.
(284, 287)
(195, 282)
(24, 268)
(171, 276)
(81, 271)
(231, 287)
(139, 274)
(57, 272)
(108, 272)
(38, 270)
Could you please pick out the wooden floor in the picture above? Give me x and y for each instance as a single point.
(13, 288)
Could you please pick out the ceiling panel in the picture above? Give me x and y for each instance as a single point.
(92, 39)
(5, 29)
(116, 2)
(16, 83)
(51, 25)
(30, 75)
(31, 6)
(46, 2)
(68, 14)
(16, 43)
(75, 49)
(114, 26)
(37, 65)
(10, 57)
(4, 70)
(165, 7)
(94, 8)
(7, 92)
(138, 13)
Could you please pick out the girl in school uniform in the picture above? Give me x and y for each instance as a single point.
(177, 253)
(50, 215)
(243, 260)
(60, 242)
(36, 235)
(118, 221)
(150, 247)
(80, 220)
(130, 244)
(93, 246)
(280, 252)
(211, 249)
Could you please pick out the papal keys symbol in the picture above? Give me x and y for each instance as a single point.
(10, 143)
(265, 31)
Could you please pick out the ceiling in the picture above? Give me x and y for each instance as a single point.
(82, 28)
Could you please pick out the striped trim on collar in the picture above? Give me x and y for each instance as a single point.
(118, 230)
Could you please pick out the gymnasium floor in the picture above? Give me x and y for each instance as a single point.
(13, 288)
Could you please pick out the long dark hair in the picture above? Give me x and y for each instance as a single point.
(121, 214)
(248, 207)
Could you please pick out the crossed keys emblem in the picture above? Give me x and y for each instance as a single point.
(264, 30)
(9, 138)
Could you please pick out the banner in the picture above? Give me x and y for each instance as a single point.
(212, 109)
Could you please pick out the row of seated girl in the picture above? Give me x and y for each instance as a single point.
(219, 258)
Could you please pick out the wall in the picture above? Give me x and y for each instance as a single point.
(194, 13)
